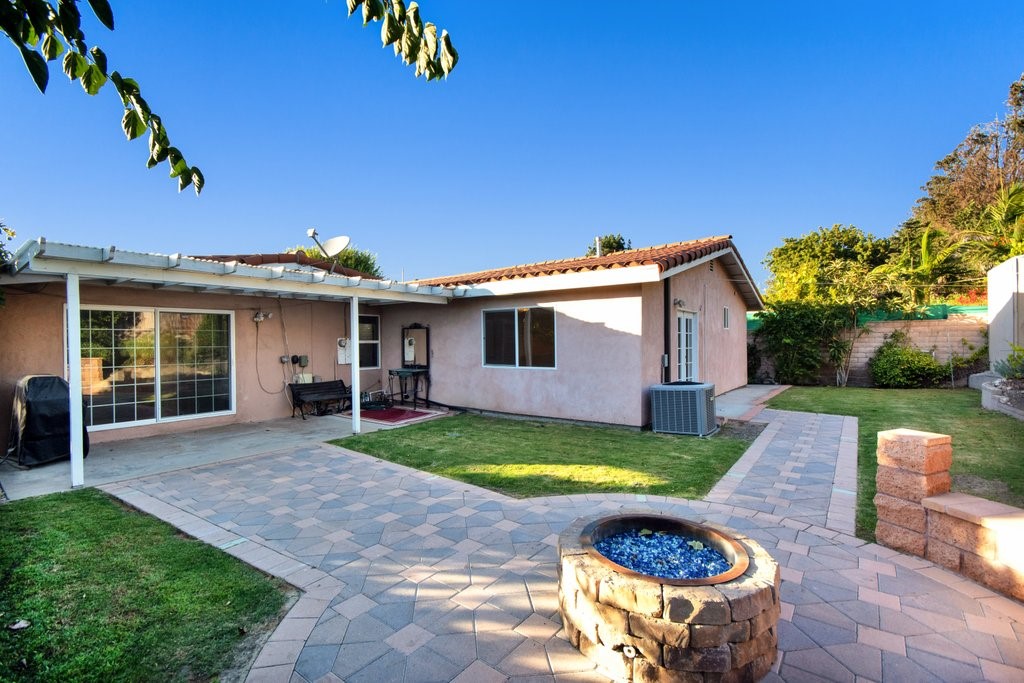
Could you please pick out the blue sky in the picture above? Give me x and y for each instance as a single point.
(562, 121)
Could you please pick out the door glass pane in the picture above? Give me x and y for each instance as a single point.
(194, 350)
(117, 359)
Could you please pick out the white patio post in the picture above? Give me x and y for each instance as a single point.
(356, 400)
(74, 327)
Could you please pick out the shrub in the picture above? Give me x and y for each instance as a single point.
(1013, 366)
(795, 335)
(898, 365)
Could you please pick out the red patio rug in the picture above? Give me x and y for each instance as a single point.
(394, 415)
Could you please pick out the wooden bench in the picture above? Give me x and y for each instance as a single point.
(318, 394)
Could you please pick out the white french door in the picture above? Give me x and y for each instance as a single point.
(686, 347)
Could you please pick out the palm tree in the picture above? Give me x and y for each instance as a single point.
(1004, 219)
(920, 274)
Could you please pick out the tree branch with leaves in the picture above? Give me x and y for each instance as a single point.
(43, 31)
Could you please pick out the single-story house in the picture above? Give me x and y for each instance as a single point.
(158, 343)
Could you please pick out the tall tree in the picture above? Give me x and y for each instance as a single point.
(610, 243)
(970, 178)
(363, 260)
(804, 268)
(42, 31)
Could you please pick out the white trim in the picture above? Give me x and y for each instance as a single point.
(42, 257)
(73, 340)
(357, 399)
(515, 330)
(376, 341)
(584, 280)
(682, 315)
(696, 262)
(157, 380)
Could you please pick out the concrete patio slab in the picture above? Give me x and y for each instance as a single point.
(420, 578)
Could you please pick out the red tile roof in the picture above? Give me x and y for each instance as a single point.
(298, 257)
(666, 256)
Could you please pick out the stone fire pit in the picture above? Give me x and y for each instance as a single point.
(643, 628)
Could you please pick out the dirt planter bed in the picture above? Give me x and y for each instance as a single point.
(644, 628)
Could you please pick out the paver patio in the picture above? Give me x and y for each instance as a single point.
(412, 577)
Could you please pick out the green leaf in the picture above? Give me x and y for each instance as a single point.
(75, 65)
(391, 30)
(52, 47)
(695, 545)
(69, 19)
(184, 180)
(449, 56)
(372, 11)
(132, 124)
(36, 67)
(198, 181)
(430, 40)
(28, 33)
(93, 79)
(646, 532)
(398, 7)
(100, 58)
(412, 18)
(410, 46)
(353, 5)
(101, 8)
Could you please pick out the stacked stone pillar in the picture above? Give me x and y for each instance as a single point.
(917, 514)
(912, 466)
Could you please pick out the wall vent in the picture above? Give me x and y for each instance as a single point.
(683, 408)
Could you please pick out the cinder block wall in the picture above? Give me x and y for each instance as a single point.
(957, 335)
(917, 514)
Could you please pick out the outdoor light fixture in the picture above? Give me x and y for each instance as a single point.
(331, 247)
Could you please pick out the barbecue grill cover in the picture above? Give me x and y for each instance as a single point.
(40, 421)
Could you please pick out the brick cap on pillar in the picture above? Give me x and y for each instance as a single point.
(986, 513)
(903, 434)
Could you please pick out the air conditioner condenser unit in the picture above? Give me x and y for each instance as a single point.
(683, 408)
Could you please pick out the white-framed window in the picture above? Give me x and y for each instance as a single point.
(725, 317)
(686, 346)
(147, 365)
(369, 342)
(519, 337)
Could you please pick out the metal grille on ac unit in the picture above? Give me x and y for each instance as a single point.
(683, 408)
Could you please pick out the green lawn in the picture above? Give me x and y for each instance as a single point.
(112, 594)
(525, 458)
(988, 447)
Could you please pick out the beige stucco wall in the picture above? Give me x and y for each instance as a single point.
(722, 353)
(33, 342)
(598, 356)
(609, 348)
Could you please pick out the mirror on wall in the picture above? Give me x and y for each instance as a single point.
(416, 346)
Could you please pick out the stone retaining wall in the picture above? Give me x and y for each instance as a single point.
(917, 514)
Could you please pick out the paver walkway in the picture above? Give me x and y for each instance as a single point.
(413, 577)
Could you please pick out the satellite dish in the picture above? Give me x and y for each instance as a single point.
(335, 245)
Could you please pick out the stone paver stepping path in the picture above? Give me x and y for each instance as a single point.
(411, 577)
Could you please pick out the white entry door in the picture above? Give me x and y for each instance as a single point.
(686, 345)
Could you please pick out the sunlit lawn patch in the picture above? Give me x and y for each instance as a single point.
(528, 458)
(988, 447)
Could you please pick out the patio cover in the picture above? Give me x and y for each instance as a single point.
(42, 261)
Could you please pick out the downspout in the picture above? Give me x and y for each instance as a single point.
(666, 374)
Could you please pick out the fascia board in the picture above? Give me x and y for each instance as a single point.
(548, 283)
(289, 282)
